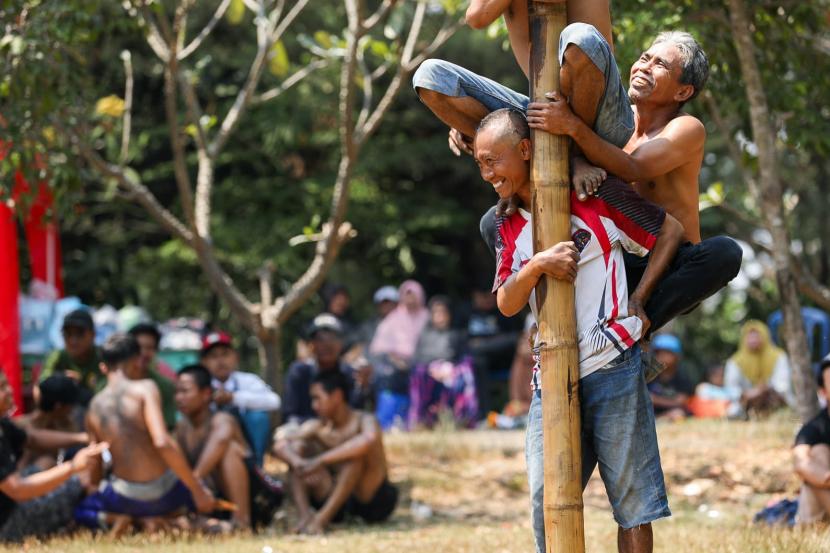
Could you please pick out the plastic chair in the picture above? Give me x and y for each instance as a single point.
(817, 327)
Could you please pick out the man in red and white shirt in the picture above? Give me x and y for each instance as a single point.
(618, 430)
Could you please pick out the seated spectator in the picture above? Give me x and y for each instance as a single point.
(491, 341)
(150, 475)
(392, 350)
(220, 456)
(337, 463)
(59, 395)
(385, 300)
(811, 456)
(39, 504)
(671, 390)
(760, 370)
(80, 358)
(326, 349)
(713, 399)
(148, 338)
(242, 392)
(442, 380)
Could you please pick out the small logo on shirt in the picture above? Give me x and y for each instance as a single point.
(581, 238)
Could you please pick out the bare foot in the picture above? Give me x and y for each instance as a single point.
(586, 178)
(506, 208)
(119, 525)
(313, 528)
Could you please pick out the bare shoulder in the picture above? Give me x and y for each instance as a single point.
(687, 127)
(222, 420)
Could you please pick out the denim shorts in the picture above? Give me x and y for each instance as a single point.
(618, 434)
(615, 119)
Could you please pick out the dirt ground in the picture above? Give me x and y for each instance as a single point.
(467, 491)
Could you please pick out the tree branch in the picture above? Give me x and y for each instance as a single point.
(136, 189)
(291, 81)
(128, 108)
(205, 32)
(380, 14)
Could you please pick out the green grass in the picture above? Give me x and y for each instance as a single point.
(718, 475)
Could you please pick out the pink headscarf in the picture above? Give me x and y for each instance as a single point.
(398, 333)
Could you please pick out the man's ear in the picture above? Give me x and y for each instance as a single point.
(684, 93)
(526, 148)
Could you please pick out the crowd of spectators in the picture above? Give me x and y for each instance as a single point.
(170, 441)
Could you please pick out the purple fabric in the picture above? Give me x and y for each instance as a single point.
(443, 386)
(108, 500)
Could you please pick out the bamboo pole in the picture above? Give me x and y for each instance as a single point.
(550, 183)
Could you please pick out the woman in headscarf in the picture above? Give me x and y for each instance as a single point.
(760, 370)
(442, 381)
(392, 351)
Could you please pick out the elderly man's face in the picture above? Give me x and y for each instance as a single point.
(656, 76)
(502, 162)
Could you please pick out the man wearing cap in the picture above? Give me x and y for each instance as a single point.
(326, 340)
(385, 300)
(811, 456)
(80, 358)
(241, 391)
(671, 390)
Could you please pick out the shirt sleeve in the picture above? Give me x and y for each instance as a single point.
(638, 220)
(253, 394)
(809, 434)
(50, 366)
(487, 228)
(505, 253)
(12, 440)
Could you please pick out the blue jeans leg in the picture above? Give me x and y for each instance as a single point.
(258, 426)
(534, 456)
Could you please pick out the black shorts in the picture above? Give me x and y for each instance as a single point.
(266, 494)
(379, 508)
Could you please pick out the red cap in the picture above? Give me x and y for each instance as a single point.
(217, 338)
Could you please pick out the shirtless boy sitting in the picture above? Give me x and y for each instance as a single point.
(150, 475)
(337, 462)
(214, 444)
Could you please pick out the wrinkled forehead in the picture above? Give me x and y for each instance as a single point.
(494, 140)
(668, 52)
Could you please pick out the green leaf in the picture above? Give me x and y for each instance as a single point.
(278, 65)
(236, 11)
(323, 39)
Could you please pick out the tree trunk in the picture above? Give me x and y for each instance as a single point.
(770, 193)
(270, 357)
(564, 525)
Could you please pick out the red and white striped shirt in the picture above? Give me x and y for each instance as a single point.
(602, 226)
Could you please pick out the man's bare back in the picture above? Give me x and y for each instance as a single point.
(116, 415)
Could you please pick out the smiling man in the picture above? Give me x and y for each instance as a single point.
(662, 161)
(618, 431)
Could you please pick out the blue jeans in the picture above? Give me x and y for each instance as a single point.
(615, 119)
(258, 430)
(618, 433)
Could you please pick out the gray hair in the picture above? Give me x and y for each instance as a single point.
(508, 121)
(695, 64)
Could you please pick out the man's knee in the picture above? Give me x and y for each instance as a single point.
(428, 75)
(727, 254)
(582, 35)
(820, 453)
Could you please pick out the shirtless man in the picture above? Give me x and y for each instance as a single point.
(214, 445)
(662, 161)
(150, 475)
(656, 146)
(337, 462)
